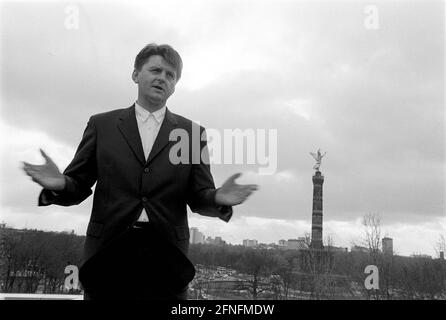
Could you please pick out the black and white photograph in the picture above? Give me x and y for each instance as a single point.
(235, 150)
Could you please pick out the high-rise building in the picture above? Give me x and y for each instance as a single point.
(196, 236)
(387, 246)
(192, 235)
(316, 226)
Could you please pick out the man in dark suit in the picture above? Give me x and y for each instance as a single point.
(138, 234)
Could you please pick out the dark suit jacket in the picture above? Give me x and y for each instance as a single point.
(111, 154)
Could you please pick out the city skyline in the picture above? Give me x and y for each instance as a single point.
(301, 242)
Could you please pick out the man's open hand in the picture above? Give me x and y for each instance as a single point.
(231, 194)
(47, 175)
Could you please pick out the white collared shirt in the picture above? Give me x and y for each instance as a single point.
(149, 125)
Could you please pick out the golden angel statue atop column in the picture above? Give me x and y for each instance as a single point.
(317, 156)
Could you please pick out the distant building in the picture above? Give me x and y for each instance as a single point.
(218, 241)
(337, 249)
(419, 255)
(442, 255)
(273, 245)
(196, 236)
(387, 246)
(359, 249)
(296, 244)
(282, 243)
(250, 243)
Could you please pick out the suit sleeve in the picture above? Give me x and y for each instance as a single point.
(201, 197)
(80, 175)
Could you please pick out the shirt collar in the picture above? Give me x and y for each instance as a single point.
(143, 114)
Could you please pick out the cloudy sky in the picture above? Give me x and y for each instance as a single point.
(365, 84)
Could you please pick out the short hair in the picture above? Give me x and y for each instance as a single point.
(168, 53)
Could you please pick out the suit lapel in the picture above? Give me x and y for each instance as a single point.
(162, 139)
(129, 129)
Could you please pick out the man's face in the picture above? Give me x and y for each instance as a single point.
(156, 80)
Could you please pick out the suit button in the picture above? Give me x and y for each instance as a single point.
(146, 170)
(144, 199)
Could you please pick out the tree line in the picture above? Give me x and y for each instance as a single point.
(33, 260)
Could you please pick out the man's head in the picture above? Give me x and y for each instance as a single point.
(157, 70)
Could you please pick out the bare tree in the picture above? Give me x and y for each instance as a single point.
(372, 228)
(285, 265)
(372, 238)
(257, 264)
(318, 265)
(31, 258)
(384, 262)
